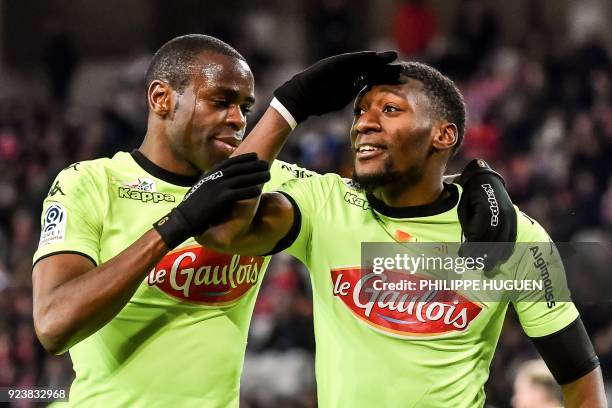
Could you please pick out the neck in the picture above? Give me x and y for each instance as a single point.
(156, 147)
(426, 191)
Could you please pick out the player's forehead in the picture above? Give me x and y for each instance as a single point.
(408, 90)
(215, 71)
(403, 89)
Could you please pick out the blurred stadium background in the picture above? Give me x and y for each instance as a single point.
(536, 76)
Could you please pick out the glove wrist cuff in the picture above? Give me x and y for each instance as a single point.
(284, 112)
(295, 106)
(173, 229)
(475, 168)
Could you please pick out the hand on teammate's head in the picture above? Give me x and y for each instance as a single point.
(332, 83)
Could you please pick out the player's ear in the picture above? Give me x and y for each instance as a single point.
(159, 96)
(446, 135)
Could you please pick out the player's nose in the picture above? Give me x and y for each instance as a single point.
(367, 122)
(235, 117)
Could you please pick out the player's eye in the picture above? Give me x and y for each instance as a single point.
(245, 110)
(221, 103)
(358, 111)
(391, 108)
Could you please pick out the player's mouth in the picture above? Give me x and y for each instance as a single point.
(366, 151)
(227, 143)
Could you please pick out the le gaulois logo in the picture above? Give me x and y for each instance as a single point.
(403, 313)
(199, 275)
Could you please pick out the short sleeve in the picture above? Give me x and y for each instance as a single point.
(550, 309)
(72, 214)
(308, 196)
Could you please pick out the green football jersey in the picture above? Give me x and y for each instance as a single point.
(376, 350)
(180, 340)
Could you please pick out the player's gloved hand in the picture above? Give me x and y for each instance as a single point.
(487, 216)
(331, 83)
(236, 178)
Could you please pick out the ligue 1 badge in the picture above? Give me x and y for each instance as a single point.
(54, 225)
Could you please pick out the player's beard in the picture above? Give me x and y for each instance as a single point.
(387, 177)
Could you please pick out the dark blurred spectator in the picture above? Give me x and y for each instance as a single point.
(284, 302)
(535, 387)
(414, 26)
(334, 27)
(482, 140)
(60, 59)
(475, 32)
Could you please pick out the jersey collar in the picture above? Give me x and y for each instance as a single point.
(427, 210)
(162, 174)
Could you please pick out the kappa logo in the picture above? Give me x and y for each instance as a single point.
(211, 177)
(145, 196)
(354, 199)
(73, 166)
(492, 204)
(54, 225)
(217, 174)
(55, 189)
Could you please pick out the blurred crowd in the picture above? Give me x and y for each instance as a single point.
(540, 111)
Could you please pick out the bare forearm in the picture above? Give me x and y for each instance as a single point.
(586, 392)
(267, 137)
(79, 307)
(273, 221)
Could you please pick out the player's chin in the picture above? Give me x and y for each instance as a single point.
(365, 174)
(215, 152)
(368, 168)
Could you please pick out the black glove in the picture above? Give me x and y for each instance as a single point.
(486, 214)
(209, 199)
(330, 84)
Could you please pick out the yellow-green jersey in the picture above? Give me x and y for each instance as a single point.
(376, 349)
(180, 340)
